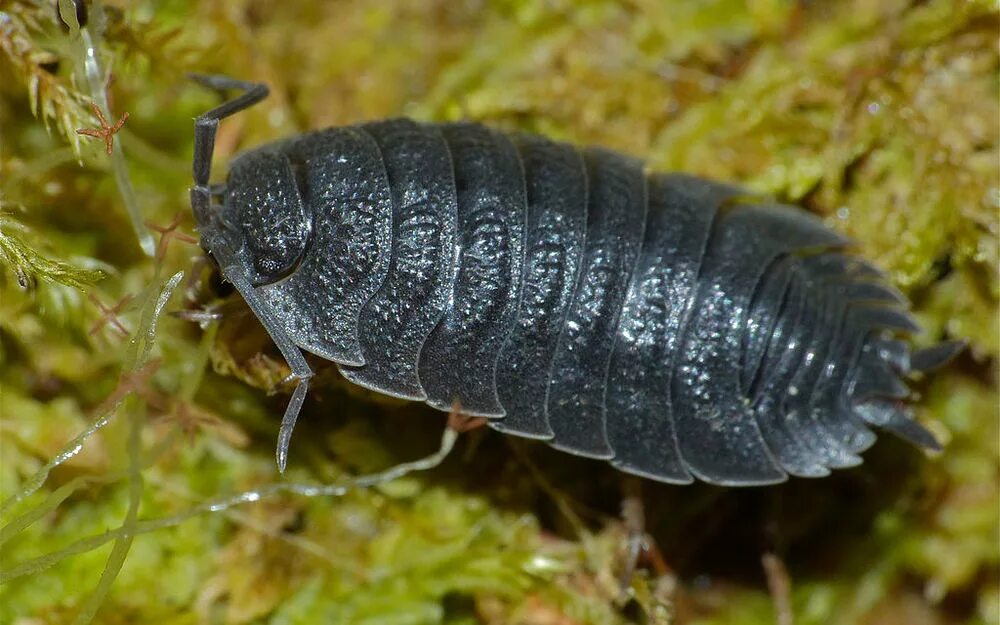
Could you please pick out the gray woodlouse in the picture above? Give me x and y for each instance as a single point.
(676, 327)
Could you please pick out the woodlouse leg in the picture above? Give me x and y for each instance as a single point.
(201, 317)
(463, 423)
(641, 548)
(780, 586)
(191, 285)
(200, 312)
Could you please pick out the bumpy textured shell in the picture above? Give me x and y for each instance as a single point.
(676, 327)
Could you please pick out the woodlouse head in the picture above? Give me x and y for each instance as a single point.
(263, 217)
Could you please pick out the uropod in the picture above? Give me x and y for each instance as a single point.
(676, 327)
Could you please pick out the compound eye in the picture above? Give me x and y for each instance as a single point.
(265, 206)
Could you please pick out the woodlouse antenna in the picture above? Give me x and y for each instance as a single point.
(205, 127)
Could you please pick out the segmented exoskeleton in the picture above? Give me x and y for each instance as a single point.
(676, 327)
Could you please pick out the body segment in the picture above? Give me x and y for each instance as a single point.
(396, 321)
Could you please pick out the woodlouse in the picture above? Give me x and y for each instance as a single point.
(676, 327)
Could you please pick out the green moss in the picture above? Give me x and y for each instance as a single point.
(882, 117)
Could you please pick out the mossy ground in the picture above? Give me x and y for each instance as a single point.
(881, 116)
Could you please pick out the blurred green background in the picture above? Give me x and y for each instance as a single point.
(880, 116)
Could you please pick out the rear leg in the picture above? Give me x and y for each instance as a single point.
(780, 586)
(640, 547)
(462, 423)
